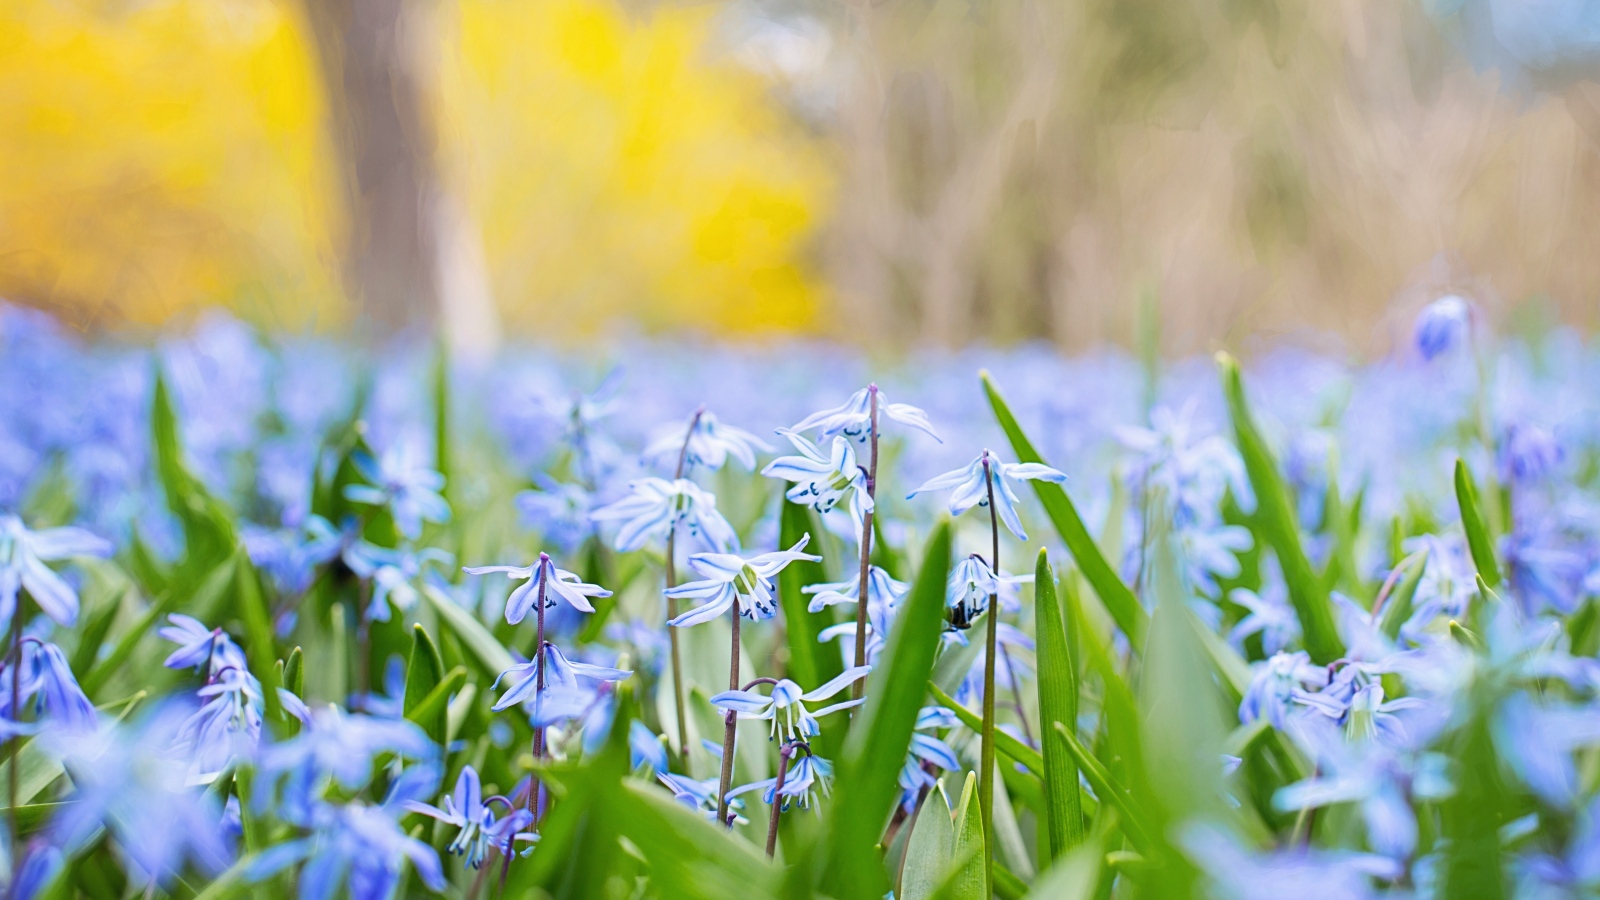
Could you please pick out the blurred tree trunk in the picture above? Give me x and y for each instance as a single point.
(381, 131)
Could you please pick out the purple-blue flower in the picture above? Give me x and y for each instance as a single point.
(398, 481)
(23, 554)
(970, 486)
(542, 576)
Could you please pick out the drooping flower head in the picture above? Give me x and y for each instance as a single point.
(801, 782)
(655, 506)
(396, 480)
(882, 590)
(820, 482)
(970, 486)
(569, 687)
(711, 443)
(542, 576)
(853, 419)
(46, 683)
(23, 554)
(970, 585)
(926, 751)
(785, 707)
(472, 814)
(730, 578)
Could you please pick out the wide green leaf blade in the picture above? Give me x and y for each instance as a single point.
(1133, 819)
(810, 663)
(1118, 598)
(424, 671)
(876, 748)
(1275, 514)
(931, 847)
(969, 880)
(1479, 540)
(208, 531)
(1057, 683)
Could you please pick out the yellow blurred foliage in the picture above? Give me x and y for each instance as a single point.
(162, 155)
(616, 169)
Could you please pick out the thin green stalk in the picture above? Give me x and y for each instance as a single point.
(536, 788)
(986, 757)
(672, 602)
(858, 690)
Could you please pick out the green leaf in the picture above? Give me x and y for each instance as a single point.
(1003, 742)
(260, 648)
(489, 652)
(212, 589)
(1073, 877)
(873, 754)
(95, 630)
(1058, 702)
(1398, 604)
(810, 662)
(424, 671)
(1479, 540)
(1275, 515)
(969, 880)
(1118, 598)
(441, 415)
(932, 845)
(208, 531)
(430, 710)
(294, 672)
(1133, 818)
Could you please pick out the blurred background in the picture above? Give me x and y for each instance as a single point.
(882, 172)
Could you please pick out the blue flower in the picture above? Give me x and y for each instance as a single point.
(710, 444)
(882, 590)
(971, 583)
(564, 697)
(645, 748)
(1270, 616)
(971, 487)
(40, 866)
(199, 646)
(478, 827)
(559, 512)
(820, 482)
(1381, 781)
(23, 554)
(392, 571)
(227, 725)
(801, 782)
(1442, 325)
(785, 707)
(729, 578)
(926, 750)
(854, 419)
(1246, 875)
(359, 846)
(654, 506)
(1527, 453)
(542, 575)
(398, 481)
(700, 796)
(46, 682)
(1273, 684)
(333, 748)
(128, 782)
(1538, 740)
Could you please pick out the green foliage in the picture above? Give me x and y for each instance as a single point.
(424, 676)
(875, 749)
(1276, 522)
(810, 662)
(1058, 702)
(1118, 598)
(1479, 540)
(208, 532)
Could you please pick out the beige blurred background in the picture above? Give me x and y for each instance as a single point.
(884, 171)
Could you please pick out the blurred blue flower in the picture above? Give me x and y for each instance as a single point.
(1273, 684)
(1240, 873)
(926, 751)
(45, 681)
(655, 506)
(398, 481)
(558, 512)
(711, 443)
(333, 748)
(392, 572)
(785, 707)
(1527, 453)
(1442, 325)
(358, 846)
(1270, 616)
(970, 486)
(542, 577)
(730, 578)
(645, 748)
(23, 554)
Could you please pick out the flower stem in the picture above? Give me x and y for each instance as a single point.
(730, 728)
(784, 755)
(858, 689)
(672, 602)
(536, 789)
(986, 757)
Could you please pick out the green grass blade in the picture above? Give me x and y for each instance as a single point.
(260, 648)
(424, 672)
(969, 879)
(208, 531)
(1108, 790)
(1118, 598)
(875, 750)
(1479, 541)
(1276, 517)
(430, 710)
(1058, 702)
(1003, 742)
(1397, 606)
